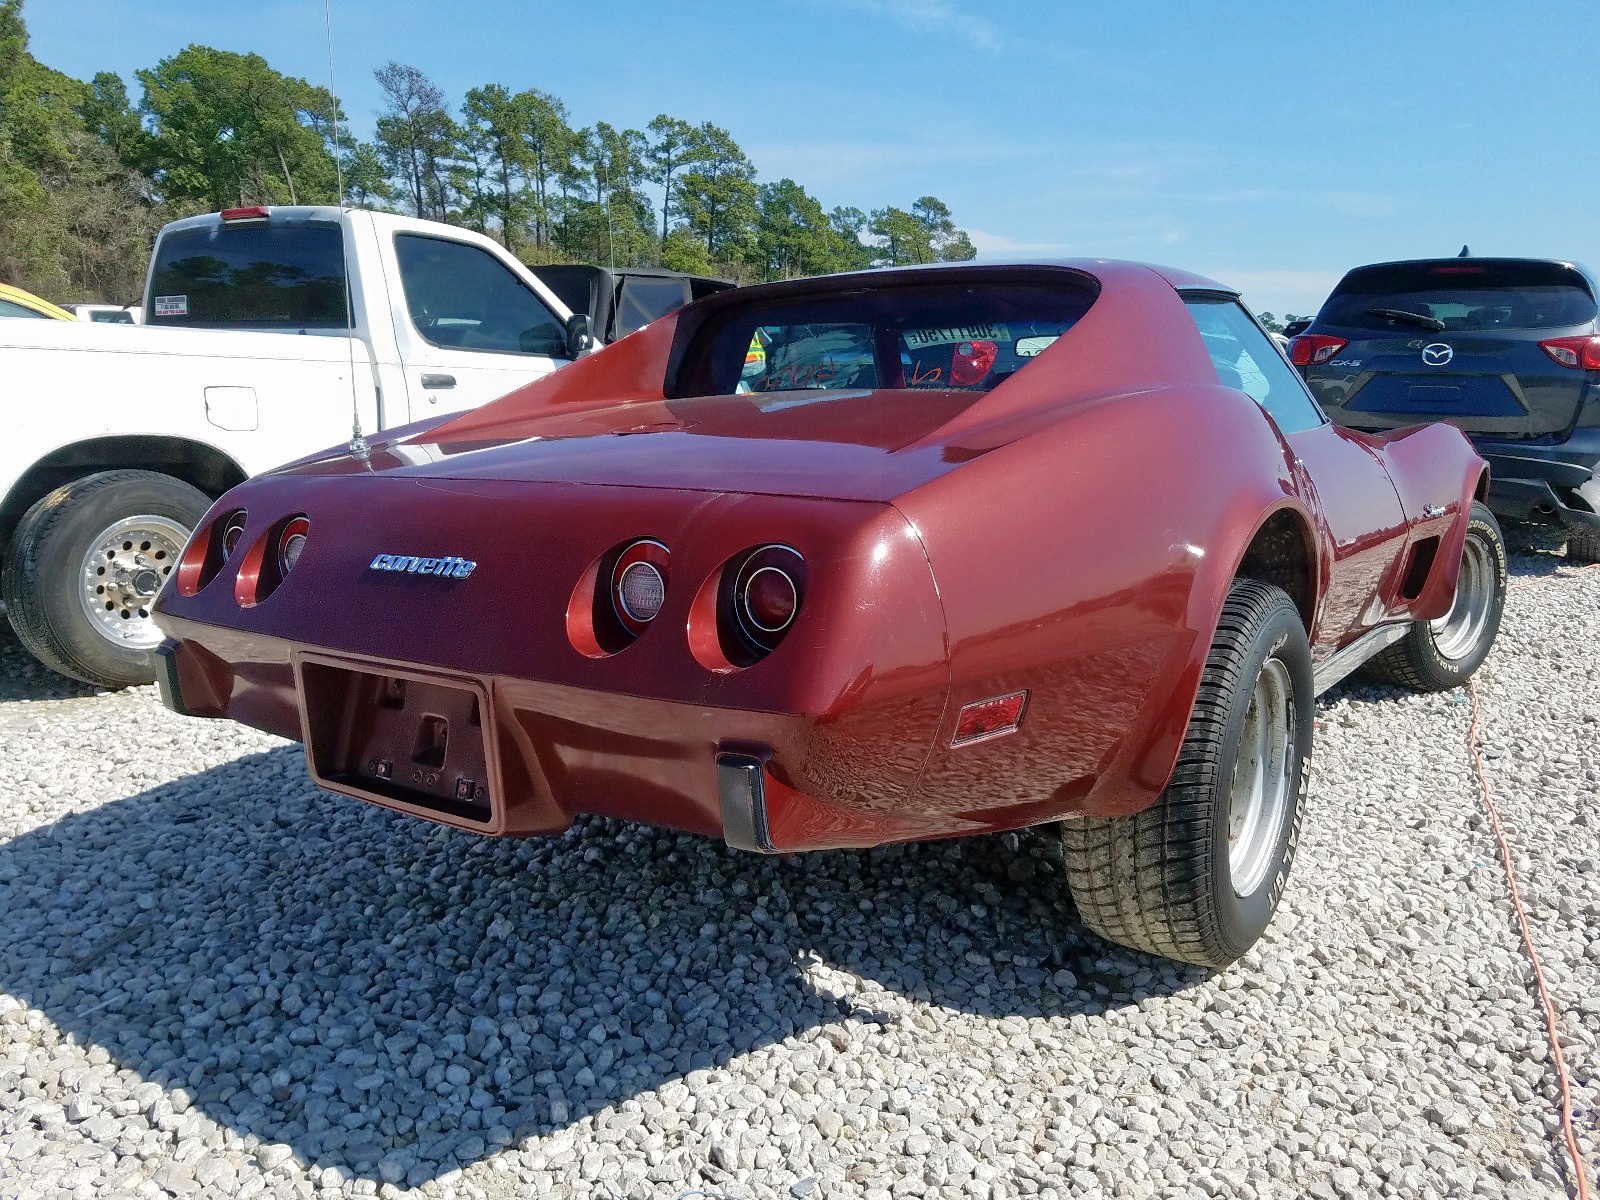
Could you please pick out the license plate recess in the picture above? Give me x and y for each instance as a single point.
(398, 736)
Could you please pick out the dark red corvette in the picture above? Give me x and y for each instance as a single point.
(862, 559)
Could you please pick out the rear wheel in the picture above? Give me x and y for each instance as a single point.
(1196, 876)
(1583, 546)
(1436, 656)
(85, 566)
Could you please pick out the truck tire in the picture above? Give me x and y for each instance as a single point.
(1196, 876)
(1435, 656)
(84, 568)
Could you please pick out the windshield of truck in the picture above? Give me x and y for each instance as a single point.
(250, 276)
(944, 337)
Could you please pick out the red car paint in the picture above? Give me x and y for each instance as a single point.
(1070, 534)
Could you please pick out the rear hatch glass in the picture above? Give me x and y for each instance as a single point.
(1454, 340)
(1462, 296)
(250, 276)
(938, 338)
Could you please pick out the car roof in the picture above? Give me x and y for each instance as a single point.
(38, 304)
(1106, 270)
(1476, 260)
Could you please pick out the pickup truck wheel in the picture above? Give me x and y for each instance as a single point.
(1436, 656)
(1196, 876)
(1583, 546)
(85, 566)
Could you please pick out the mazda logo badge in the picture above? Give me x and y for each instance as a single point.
(1437, 355)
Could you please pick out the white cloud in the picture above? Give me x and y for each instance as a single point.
(1279, 291)
(998, 245)
(928, 16)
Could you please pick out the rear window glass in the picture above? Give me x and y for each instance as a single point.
(966, 338)
(570, 284)
(1460, 295)
(250, 277)
(644, 298)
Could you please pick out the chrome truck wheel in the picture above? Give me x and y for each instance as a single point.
(121, 572)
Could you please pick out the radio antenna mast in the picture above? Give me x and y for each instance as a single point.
(358, 447)
(333, 92)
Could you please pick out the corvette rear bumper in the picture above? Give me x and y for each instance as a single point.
(764, 782)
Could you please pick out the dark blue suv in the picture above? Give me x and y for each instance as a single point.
(1508, 349)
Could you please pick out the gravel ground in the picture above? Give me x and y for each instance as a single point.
(216, 980)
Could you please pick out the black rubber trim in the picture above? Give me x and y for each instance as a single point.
(167, 678)
(742, 787)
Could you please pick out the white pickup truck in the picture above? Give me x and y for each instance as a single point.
(267, 334)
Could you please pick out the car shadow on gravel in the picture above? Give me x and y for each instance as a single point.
(395, 999)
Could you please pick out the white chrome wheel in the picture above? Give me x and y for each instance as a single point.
(1458, 632)
(1263, 779)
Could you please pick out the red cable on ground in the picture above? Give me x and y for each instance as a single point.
(1580, 1173)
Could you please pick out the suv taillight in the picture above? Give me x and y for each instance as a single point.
(1579, 353)
(1313, 349)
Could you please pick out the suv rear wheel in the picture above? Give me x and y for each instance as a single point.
(1583, 546)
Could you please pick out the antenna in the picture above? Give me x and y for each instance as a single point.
(611, 237)
(358, 447)
(338, 145)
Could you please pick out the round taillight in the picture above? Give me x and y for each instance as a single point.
(232, 532)
(768, 589)
(641, 590)
(639, 584)
(770, 599)
(291, 542)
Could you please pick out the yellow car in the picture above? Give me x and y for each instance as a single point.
(14, 302)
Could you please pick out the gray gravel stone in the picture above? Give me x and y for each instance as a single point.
(216, 980)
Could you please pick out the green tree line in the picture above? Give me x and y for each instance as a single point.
(87, 175)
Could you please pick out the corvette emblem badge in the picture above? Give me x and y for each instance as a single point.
(409, 564)
(1437, 355)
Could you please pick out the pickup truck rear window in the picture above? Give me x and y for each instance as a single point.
(1461, 295)
(250, 276)
(964, 338)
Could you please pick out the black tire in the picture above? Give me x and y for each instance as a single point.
(1161, 880)
(44, 571)
(1583, 546)
(1425, 660)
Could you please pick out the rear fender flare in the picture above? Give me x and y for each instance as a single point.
(1151, 752)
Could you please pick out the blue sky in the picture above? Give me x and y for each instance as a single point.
(1272, 145)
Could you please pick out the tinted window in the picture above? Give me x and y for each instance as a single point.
(645, 298)
(111, 318)
(968, 338)
(10, 309)
(1462, 295)
(573, 286)
(1245, 358)
(250, 277)
(462, 296)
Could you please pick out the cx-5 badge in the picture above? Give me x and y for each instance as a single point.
(1437, 355)
(455, 568)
